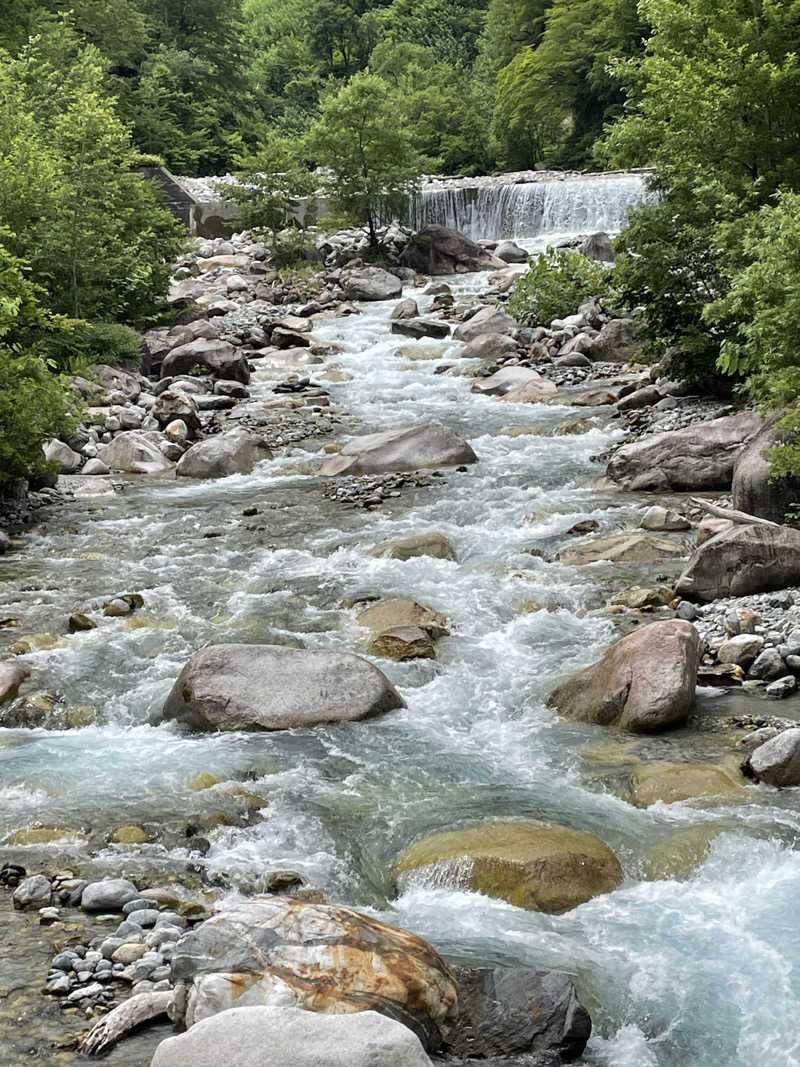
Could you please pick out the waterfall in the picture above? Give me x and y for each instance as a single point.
(533, 208)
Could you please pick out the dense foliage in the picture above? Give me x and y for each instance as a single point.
(556, 285)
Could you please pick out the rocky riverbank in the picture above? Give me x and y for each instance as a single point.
(335, 625)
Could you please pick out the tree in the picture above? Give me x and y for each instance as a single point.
(34, 403)
(713, 106)
(273, 181)
(372, 166)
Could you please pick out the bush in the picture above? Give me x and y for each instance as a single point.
(556, 285)
(34, 406)
(95, 342)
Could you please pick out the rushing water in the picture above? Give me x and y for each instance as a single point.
(528, 209)
(696, 971)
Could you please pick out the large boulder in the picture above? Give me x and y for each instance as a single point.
(777, 761)
(520, 385)
(513, 1011)
(436, 328)
(489, 320)
(135, 452)
(634, 547)
(289, 1037)
(280, 951)
(440, 250)
(510, 252)
(700, 456)
(644, 683)
(220, 358)
(397, 611)
(427, 544)
(60, 454)
(113, 379)
(490, 346)
(598, 246)
(740, 561)
(411, 448)
(532, 865)
(754, 489)
(270, 687)
(671, 782)
(617, 342)
(236, 452)
(372, 283)
(175, 404)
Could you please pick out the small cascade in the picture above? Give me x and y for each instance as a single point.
(533, 208)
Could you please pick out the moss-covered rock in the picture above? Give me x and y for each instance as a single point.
(538, 866)
(128, 835)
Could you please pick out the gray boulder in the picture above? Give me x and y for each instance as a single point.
(740, 561)
(754, 489)
(513, 380)
(510, 252)
(110, 894)
(421, 328)
(173, 404)
(700, 456)
(406, 309)
(411, 448)
(135, 452)
(640, 398)
(428, 544)
(372, 283)
(777, 761)
(617, 342)
(33, 892)
(281, 951)
(598, 246)
(510, 1011)
(290, 1037)
(112, 379)
(490, 346)
(488, 320)
(644, 683)
(440, 250)
(270, 687)
(218, 357)
(57, 452)
(236, 452)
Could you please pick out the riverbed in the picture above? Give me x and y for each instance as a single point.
(696, 969)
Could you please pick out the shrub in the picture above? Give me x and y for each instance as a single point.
(95, 342)
(557, 283)
(34, 406)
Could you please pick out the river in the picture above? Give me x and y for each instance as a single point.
(697, 970)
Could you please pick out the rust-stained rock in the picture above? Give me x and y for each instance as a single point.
(276, 950)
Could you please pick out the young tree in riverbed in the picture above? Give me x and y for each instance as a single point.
(360, 139)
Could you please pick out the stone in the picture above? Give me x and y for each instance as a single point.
(754, 488)
(439, 250)
(174, 405)
(221, 358)
(427, 544)
(436, 328)
(279, 950)
(134, 452)
(532, 865)
(777, 761)
(621, 548)
(271, 687)
(237, 451)
(617, 342)
(660, 518)
(372, 283)
(128, 835)
(95, 467)
(768, 665)
(639, 398)
(288, 1037)
(700, 456)
(595, 398)
(781, 687)
(234, 389)
(741, 649)
(406, 309)
(638, 597)
(114, 379)
(205, 780)
(508, 380)
(741, 561)
(489, 346)
(669, 783)
(598, 246)
(405, 612)
(117, 608)
(678, 854)
(403, 643)
(62, 456)
(128, 953)
(510, 252)
(418, 447)
(710, 526)
(509, 1011)
(110, 894)
(489, 320)
(33, 892)
(12, 675)
(645, 682)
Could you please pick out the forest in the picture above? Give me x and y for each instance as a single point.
(704, 93)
